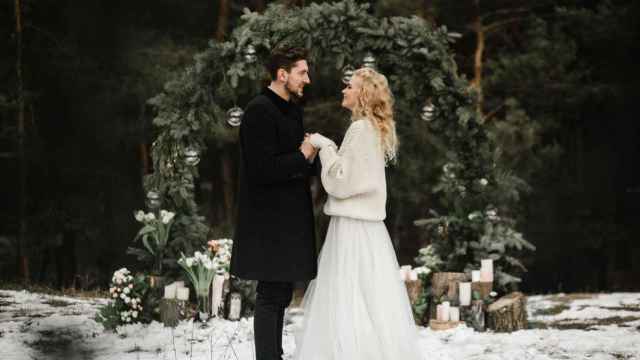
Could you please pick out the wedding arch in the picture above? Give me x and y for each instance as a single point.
(204, 103)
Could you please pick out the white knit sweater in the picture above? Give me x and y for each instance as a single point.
(353, 176)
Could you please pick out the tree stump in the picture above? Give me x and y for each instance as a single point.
(414, 289)
(170, 311)
(509, 313)
(444, 283)
(483, 288)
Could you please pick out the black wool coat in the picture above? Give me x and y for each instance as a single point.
(274, 237)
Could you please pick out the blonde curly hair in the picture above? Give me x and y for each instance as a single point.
(375, 102)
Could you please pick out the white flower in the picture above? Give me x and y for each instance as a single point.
(484, 182)
(189, 262)
(493, 294)
(166, 216)
(149, 217)
(491, 213)
(126, 290)
(422, 270)
(134, 314)
(127, 300)
(474, 215)
(139, 215)
(130, 286)
(123, 296)
(115, 296)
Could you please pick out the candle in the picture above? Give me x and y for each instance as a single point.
(465, 293)
(454, 314)
(178, 284)
(235, 305)
(413, 275)
(486, 270)
(445, 311)
(475, 275)
(404, 272)
(439, 312)
(183, 294)
(170, 292)
(216, 293)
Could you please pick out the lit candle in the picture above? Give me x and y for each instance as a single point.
(170, 292)
(413, 275)
(439, 312)
(465, 293)
(183, 294)
(486, 270)
(404, 272)
(475, 275)
(445, 311)
(454, 314)
(178, 284)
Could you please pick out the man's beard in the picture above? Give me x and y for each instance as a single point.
(291, 91)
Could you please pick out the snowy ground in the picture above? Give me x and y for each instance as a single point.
(572, 326)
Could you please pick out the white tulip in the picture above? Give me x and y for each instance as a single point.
(139, 215)
(149, 217)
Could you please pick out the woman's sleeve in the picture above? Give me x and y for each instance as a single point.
(345, 171)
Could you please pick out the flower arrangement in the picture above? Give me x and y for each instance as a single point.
(154, 235)
(127, 293)
(203, 266)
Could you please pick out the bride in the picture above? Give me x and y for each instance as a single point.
(358, 307)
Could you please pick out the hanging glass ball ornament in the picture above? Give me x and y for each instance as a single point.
(153, 200)
(427, 112)
(347, 74)
(250, 54)
(369, 61)
(191, 156)
(234, 116)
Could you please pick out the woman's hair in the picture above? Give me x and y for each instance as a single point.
(375, 102)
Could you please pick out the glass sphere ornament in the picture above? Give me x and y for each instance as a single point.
(369, 61)
(234, 116)
(191, 156)
(427, 112)
(153, 199)
(250, 54)
(347, 73)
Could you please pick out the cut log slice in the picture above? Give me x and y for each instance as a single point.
(509, 313)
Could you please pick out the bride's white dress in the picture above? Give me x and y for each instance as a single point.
(357, 308)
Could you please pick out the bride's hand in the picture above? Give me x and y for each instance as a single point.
(319, 141)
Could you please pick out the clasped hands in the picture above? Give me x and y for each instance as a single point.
(312, 144)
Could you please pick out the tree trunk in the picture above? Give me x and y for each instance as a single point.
(223, 16)
(508, 314)
(484, 289)
(227, 184)
(444, 283)
(23, 265)
(478, 57)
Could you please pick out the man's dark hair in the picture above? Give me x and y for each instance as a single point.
(284, 57)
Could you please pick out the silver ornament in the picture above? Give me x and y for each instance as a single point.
(250, 54)
(347, 74)
(191, 156)
(234, 116)
(369, 61)
(153, 199)
(427, 112)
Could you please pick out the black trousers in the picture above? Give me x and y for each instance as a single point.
(272, 299)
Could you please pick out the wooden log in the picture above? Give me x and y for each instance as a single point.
(509, 313)
(414, 290)
(483, 288)
(444, 283)
(170, 311)
(438, 325)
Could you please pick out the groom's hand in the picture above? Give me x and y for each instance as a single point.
(308, 150)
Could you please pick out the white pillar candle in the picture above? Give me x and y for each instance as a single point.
(454, 314)
(404, 272)
(445, 311)
(439, 312)
(486, 270)
(413, 275)
(183, 294)
(216, 293)
(475, 275)
(465, 293)
(178, 284)
(170, 292)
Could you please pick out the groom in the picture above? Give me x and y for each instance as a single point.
(274, 240)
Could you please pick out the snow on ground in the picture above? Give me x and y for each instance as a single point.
(563, 326)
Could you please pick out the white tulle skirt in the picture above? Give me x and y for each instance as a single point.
(357, 307)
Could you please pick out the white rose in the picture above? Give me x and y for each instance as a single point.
(139, 215)
(127, 300)
(130, 286)
(123, 296)
(134, 314)
(115, 296)
(484, 182)
(126, 290)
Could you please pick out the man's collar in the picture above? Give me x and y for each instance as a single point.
(282, 104)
